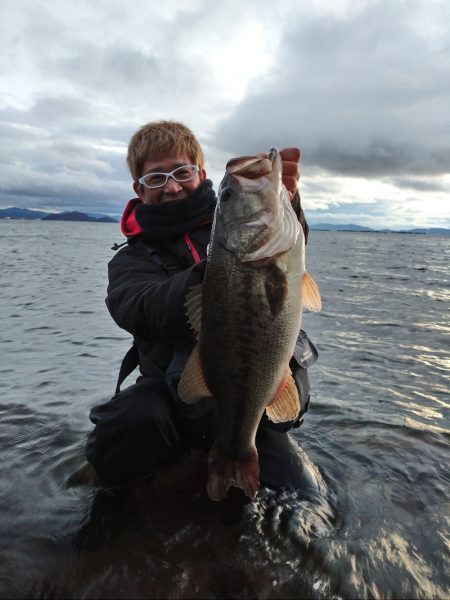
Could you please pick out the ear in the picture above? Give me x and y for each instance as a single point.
(202, 175)
(138, 190)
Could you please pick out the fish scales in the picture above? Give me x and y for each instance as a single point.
(242, 342)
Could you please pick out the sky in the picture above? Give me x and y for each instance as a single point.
(361, 87)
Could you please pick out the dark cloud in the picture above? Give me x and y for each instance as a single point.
(364, 94)
(420, 185)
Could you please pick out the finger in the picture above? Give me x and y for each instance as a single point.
(291, 168)
(290, 176)
(290, 183)
(291, 154)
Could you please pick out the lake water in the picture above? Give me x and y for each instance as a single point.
(377, 436)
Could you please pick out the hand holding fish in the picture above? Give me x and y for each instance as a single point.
(290, 158)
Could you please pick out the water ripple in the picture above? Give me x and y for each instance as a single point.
(377, 432)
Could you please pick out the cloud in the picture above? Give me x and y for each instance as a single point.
(366, 93)
(421, 184)
(362, 88)
(43, 167)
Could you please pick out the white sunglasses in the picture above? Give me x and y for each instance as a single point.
(180, 174)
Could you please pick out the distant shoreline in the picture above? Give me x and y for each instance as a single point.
(352, 228)
(25, 214)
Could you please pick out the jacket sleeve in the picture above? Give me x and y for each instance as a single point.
(297, 206)
(143, 300)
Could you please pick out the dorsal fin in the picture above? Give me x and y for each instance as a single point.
(193, 306)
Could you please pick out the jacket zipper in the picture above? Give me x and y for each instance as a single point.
(192, 248)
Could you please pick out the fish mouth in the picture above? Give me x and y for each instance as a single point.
(253, 167)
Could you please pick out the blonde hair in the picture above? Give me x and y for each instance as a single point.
(158, 139)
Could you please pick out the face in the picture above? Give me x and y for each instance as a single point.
(172, 190)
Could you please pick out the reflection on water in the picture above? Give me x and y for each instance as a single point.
(376, 438)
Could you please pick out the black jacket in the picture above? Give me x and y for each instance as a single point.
(148, 283)
(150, 277)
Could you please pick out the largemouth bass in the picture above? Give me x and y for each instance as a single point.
(247, 315)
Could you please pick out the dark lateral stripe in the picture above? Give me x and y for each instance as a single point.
(276, 286)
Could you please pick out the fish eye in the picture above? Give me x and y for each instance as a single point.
(226, 194)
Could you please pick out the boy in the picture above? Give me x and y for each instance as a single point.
(168, 226)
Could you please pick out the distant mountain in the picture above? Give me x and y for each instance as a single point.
(99, 216)
(77, 216)
(106, 219)
(14, 212)
(21, 213)
(432, 230)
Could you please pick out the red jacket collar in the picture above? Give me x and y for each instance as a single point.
(128, 223)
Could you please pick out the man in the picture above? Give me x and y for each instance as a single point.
(147, 426)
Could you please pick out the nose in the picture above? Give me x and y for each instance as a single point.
(172, 186)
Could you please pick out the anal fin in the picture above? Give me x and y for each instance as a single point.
(192, 385)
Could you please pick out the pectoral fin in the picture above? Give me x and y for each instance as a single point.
(192, 385)
(310, 294)
(286, 404)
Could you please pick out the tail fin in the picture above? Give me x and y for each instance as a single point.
(226, 472)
